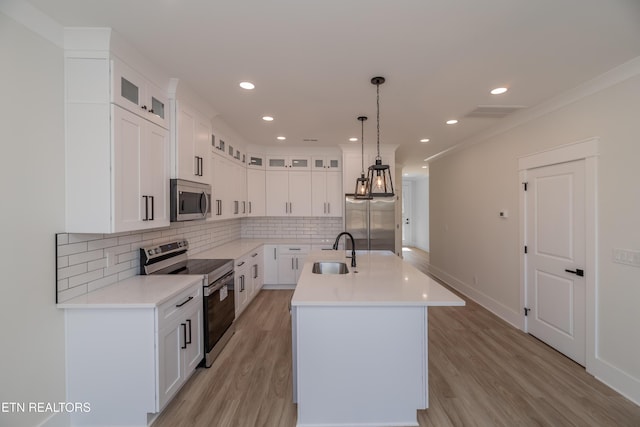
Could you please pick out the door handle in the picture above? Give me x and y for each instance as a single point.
(577, 272)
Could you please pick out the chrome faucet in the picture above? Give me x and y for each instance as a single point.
(353, 246)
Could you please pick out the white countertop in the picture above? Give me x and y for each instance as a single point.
(380, 278)
(135, 292)
(239, 248)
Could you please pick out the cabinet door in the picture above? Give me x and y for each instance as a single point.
(256, 192)
(128, 203)
(277, 193)
(170, 371)
(287, 269)
(299, 193)
(155, 175)
(185, 136)
(242, 278)
(201, 148)
(157, 105)
(128, 88)
(255, 161)
(335, 195)
(299, 264)
(270, 265)
(319, 193)
(299, 163)
(193, 354)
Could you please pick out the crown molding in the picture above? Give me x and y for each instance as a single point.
(32, 18)
(612, 77)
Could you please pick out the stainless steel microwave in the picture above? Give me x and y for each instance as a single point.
(189, 200)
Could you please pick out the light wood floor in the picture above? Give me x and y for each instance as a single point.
(482, 372)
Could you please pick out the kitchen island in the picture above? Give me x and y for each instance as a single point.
(360, 348)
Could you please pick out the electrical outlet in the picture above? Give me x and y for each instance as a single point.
(623, 256)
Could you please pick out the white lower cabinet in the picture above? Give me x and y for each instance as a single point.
(291, 262)
(248, 278)
(270, 259)
(181, 347)
(129, 361)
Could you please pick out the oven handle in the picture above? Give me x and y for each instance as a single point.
(218, 284)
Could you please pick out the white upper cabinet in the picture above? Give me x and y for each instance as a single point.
(325, 163)
(229, 188)
(191, 144)
(256, 192)
(255, 161)
(326, 192)
(138, 95)
(288, 162)
(288, 193)
(116, 153)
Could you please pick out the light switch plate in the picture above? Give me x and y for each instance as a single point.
(623, 256)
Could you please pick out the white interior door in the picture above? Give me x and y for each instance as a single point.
(555, 239)
(407, 218)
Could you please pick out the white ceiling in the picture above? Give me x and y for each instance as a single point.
(312, 61)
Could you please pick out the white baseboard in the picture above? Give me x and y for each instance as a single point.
(272, 287)
(620, 381)
(505, 313)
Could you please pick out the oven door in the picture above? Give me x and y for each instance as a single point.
(189, 200)
(220, 310)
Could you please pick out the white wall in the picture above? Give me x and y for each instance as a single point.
(32, 367)
(468, 240)
(421, 213)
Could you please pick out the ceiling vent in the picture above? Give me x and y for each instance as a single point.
(310, 140)
(494, 111)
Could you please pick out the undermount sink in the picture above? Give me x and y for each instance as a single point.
(329, 267)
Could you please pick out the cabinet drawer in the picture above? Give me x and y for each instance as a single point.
(180, 304)
(294, 249)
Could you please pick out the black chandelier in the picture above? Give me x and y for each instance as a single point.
(379, 176)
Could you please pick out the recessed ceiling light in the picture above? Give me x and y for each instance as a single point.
(424, 140)
(406, 174)
(353, 139)
(499, 91)
(452, 122)
(267, 118)
(281, 138)
(424, 167)
(247, 85)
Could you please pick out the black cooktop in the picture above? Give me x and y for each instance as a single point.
(212, 267)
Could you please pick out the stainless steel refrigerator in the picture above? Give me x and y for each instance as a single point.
(371, 222)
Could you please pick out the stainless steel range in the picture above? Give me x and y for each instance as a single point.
(219, 298)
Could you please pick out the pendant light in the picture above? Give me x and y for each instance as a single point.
(379, 176)
(362, 183)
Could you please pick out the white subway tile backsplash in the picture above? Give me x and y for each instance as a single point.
(72, 248)
(84, 257)
(84, 278)
(104, 243)
(75, 238)
(74, 270)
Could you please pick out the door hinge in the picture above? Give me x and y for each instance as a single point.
(526, 311)
(525, 249)
(525, 185)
